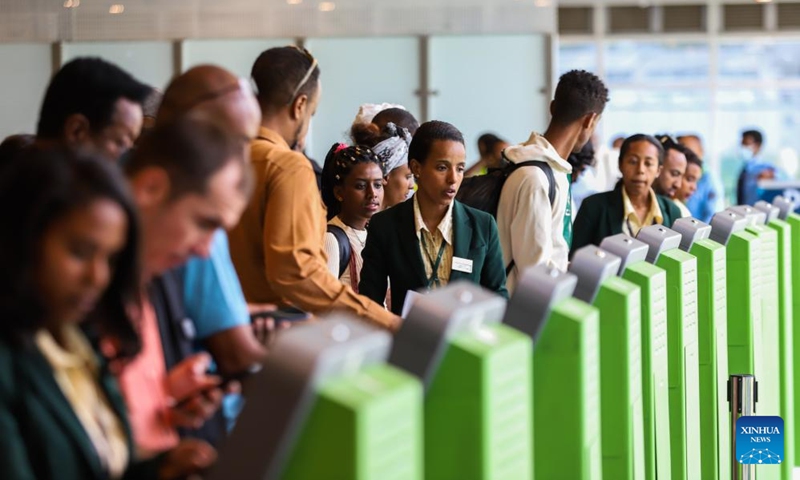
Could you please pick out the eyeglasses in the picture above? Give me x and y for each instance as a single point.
(305, 78)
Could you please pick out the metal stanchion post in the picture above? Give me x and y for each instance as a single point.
(742, 395)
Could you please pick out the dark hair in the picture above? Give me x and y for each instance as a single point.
(367, 134)
(400, 117)
(89, 86)
(191, 151)
(339, 162)
(277, 72)
(692, 157)
(487, 142)
(641, 137)
(756, 135)
(578, 93)
(670, 143)
(428, 133)
(581, 159)
(373, 133)
(35, 192)
(13, 145)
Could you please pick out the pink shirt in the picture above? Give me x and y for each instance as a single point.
(143, 382)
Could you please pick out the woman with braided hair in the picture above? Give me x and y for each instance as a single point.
(352, 190)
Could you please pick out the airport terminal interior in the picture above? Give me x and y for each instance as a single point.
(414, 240)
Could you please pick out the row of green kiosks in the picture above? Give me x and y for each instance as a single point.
(616, 369)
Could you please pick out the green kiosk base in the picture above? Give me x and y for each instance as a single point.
(776, 221)
(326, 405)
(768, 364)
(618, 302)
(477, 375)
(787, 214)
(652, 282)
(566, 379)
(684, 364)
(712, 334)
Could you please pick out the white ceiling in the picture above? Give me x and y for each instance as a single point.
(51, 20)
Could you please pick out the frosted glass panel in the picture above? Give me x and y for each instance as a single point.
(24, 77)
(489, 83)
(356, 71)
(673, 111)
(577, 56)
(149, 62)
(237, 56)
(652, 63)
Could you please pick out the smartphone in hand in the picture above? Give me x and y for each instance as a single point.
(286, 314)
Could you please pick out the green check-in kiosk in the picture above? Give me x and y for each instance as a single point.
(784, 234)
(566, 390)
(744, 293)
(326, 405)
(652, 282)
(768, 359)
(619, 303)
(786, 212)
(712, 331)
(684, 365)
(477, 376)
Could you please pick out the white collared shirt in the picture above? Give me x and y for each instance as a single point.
(630, 220)
(431, 242)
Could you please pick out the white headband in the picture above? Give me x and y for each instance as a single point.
(394, 150)
(368, 111)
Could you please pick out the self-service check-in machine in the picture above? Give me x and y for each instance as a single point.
(768, 352)
(712, 332)
(652, 282)
(618, 302)
(684, 366)
(786, 213)
(477, 375)
(327, 405)
(784, 232)
(566, 390)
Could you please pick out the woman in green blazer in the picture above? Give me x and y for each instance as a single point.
(70, 264)
(632, 204)
(432, 239)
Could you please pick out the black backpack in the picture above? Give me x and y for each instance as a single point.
(345, 250)
(483, 192)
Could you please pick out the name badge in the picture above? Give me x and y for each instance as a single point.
(462, 265)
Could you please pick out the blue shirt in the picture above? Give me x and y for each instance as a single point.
(213, 299)
(212, 294)
(747, 187)
(708, 199)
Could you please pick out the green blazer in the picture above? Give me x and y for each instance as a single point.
(392, 251)
(600, 216)
(41, 438)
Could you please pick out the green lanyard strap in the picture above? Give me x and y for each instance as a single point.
(434, 278)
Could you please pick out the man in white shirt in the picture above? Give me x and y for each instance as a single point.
(534, 230)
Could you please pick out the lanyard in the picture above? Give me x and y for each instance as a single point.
(630, 229)
(434, 278)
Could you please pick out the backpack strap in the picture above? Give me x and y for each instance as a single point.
(548, 172)
(177, 330)
(178, 341)
(345, 250)
(551, 191)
